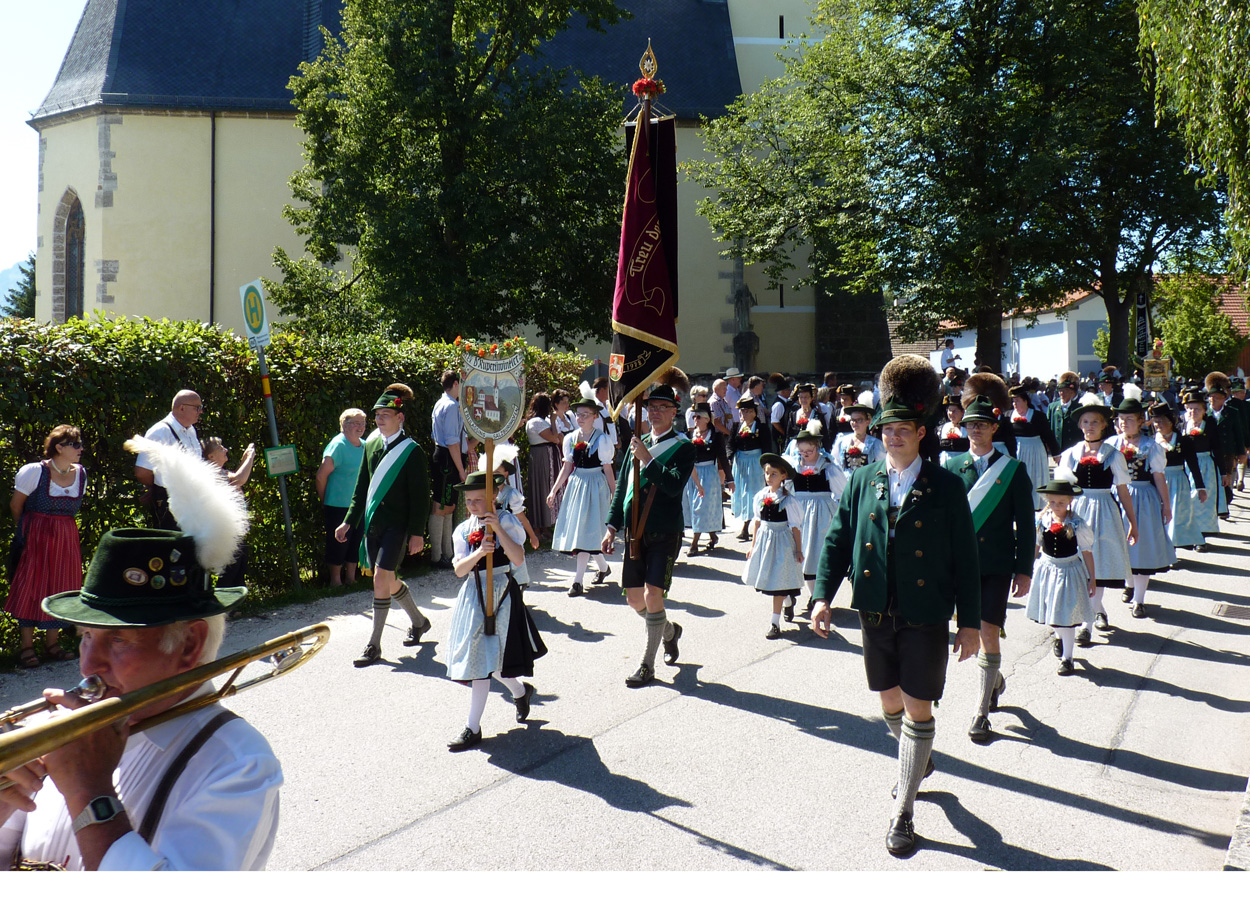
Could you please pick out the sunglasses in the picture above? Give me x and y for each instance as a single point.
(72, 443)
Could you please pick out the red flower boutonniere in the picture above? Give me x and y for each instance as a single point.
(803, 419)
(1017, 418)
(854, 451)
(581, 446)
(698, 440)
(744, 432)
(808, 471)
(1056, 527)
(952, 433)
(769, 500)
(1194, 431)
(475, 538)
(1090, 460)
(1130, 454)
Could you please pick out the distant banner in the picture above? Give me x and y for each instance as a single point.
(644, 307)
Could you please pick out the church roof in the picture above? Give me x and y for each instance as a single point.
(238, 55)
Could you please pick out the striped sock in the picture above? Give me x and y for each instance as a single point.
(914, 748)
(381, 607)
(655, 633)
(990, 664)
(895, 723)
(403, 598)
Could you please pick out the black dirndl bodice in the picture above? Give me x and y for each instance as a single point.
(749, 441)
(1139, 467)
(1094, 475)
(815, 483)
(773, 512)
(704, 451)
(1201, 441)
(1059, 544)
(588, 457)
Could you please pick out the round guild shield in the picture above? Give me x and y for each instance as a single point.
(492, 396)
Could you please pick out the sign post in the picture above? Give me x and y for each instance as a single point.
(280, 460)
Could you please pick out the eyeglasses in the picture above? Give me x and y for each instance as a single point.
(73, 444)
(194, 407)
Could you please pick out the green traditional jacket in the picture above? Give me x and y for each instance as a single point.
(407, 503)
(1062, 423)
(1241, 411)
(1005, 540)
(936, 567)
(669, 476)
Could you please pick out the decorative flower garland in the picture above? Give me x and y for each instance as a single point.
(647, 88)
(508, 348)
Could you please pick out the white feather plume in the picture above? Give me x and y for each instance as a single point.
(865, 398)
(815, 426)
(1065, 474)
(1132, 391)
(587, 392)
(204, 503)
(1090, 398)
(505, 452)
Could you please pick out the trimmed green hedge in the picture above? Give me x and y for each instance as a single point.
(116, 378)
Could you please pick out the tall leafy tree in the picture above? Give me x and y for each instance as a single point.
(1198, 51)
(1196, 334)
(465, 184)
(21, 299)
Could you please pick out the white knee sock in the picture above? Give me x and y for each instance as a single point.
(449, 528)
(1141, 582)
(600, 563)
(582, 560)
(512, 684)
(777, 618)
(477, 703)
(1067, 635)
(1096, 600)
(436, 537)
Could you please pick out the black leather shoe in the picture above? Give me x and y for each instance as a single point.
(1066, 667)
(1056, 645)
(671, 650)
(928, 769)
(1101, 622)
(1201, 549)
(692, 551)
(575, 590)
(1083, 637)
(601, 577)
(980, 731)
(371, 655)
(774, 633)
(416, 633)
(523, 703)
(644, 676)
(466, 740)
(745, 534)
(1127, 595)
(1139, 610)
(999, 690)
(787, 608)
(900, 840)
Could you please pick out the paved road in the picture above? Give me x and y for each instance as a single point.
(754, 754)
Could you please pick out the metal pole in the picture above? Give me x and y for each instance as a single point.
(273, 435)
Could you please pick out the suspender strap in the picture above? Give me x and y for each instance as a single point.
(157, 807)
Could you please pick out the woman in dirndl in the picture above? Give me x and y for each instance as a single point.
(1063, 573)
(750, 440)
(1035, 441)
(541, 429)
(1153, 551)
(952, 437)
(858, 448)
(1099, 467)
(476, 651)
(817, 485)
(1183, 473)
(1202, 434)
(46, 497)
(587, 471)
(775, 557)
(702, 504)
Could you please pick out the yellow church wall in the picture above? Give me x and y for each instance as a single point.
(757, 29)
(69, 160)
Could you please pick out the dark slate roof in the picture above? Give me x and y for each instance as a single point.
(238, 55)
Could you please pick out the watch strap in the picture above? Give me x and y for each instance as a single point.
(100, 810)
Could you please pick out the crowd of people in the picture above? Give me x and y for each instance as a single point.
(934, 495)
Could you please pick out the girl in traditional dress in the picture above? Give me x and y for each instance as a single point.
(1063, 573)
(857, 449)
(1098, 468)
(544, 447)
(511, 497)
(808, 409)
(1178, 450)
(46, 497)
(775, 557)
(952, 438)
(749, 442)
(1201, 432)
(1153, 552)
(817, 484)
(1035, 441)
(702, 498)
(475, 651)
(587, 470)
(840, 424)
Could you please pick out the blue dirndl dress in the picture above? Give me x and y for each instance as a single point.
(511, 498)
(817, 490)
(1182, 463)
(748, 475)
(1153, 552)
(772, 567)
(1098, 507)
(704, 514)
(1206, 515)
(1059, 594)
(584, 508)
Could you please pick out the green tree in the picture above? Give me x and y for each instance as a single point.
(21, 299)
(459, 179)
(1197, 50)
(1196, 334)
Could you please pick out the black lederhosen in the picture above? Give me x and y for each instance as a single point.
(995, 592)
(655, 567)
(386, 547)
(444, 476)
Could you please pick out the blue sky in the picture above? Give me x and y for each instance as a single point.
(33, 40)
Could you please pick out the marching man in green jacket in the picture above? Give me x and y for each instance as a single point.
(667, 458)
(1000, 495)
(904, 536)
(392, 502)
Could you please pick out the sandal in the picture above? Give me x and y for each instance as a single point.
(28, 658)
(57, 653)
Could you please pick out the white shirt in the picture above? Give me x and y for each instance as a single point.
(948, 358)
(731, 397)
(599, 442)
(778, 411)
(27, 479)
(171, 433)
(446, 424)
(901, 481)
(221, 815)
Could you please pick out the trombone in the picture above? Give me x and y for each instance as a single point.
(20, 747)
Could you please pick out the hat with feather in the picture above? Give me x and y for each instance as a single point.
(910, 390)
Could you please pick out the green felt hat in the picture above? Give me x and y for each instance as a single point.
(894, 411)
(586, 403)
(807, 436)
(1236, 383)
(1060, 487)
(477, 481)
(1098, 408)
(392, 400)
(703, 409)
(980, 409)
(1130, 406)
(662, 393)
(143, 578)
(772, 458)
(746, 401)
(858, 408)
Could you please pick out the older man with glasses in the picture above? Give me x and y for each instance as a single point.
(177, 428)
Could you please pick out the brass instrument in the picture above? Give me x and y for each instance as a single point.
(22, 746)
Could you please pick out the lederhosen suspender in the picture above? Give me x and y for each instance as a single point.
(157, 806)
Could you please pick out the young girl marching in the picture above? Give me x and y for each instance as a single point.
(587, 470)
(749, 442)
(808, 409)
(1035, 442)
(1063, 573)
(1153, 552)
(507, 653)
(952, 438)
(857, 449)
(1188, 491)
(775, 558)
(1201, 432)
(511, 496)
(702, 498)
(1098, 468)
(817, 484)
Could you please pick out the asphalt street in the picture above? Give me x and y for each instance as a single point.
(752, 754)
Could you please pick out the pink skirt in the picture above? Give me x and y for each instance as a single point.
(51, 563)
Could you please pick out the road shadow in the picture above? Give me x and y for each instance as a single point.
(416, 660)
(699, 611)
(1106, 677)
(988, 846)
(1156, 644)
(1213, 595)
(548, 623)
(694, 570)
(1192, 620)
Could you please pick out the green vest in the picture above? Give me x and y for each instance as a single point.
(667, 477)
(407, 503)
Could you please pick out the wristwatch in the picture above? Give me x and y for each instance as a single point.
(98, 811)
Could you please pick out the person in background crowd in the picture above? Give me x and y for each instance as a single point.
(448, 467)
(1232, 446)
(775, 557)
(587, 474)
(1204, 437)
(699, 394)
(1062, 412)
(215, 453)
(336, 479)
(951, 434)
(1035, 442)
(1183, 530)
(46, 497)
(1110, 391)
(177, 428)
(733, 391)
(782, 406)
(1238, 403)
(545, 460)
(562, 415)
(703, 507)
(950, 359)
(749, 442)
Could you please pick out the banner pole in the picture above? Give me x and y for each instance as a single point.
(489, 597)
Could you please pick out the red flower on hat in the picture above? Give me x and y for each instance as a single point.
(475, 538)
(1090, 460)
(397, 403)
(919, 406)
(997, 412)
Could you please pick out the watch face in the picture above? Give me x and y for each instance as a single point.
(102, 808)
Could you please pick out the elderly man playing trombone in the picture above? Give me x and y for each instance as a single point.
(197, 791)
